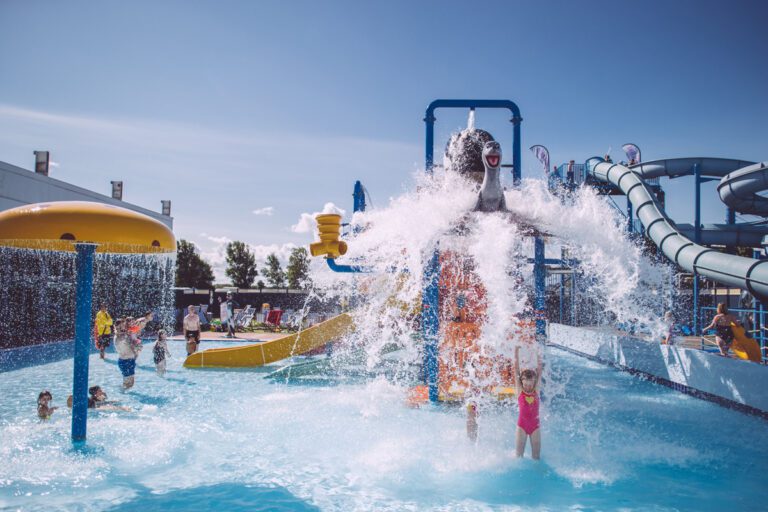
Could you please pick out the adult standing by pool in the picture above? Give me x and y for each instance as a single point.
(231, 305)
(103, 329)
(128, 346)
(722, 325)
(192, 330)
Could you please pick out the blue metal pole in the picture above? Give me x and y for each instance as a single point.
(516, 156)
(563, 256)
(429, 119)
(358, 198)
(573, 298)
(84, 296)
(761, 329)
(697, 201)
(539, 277)
(630, 217)
(430, 324)
(696, 239)
(696, 329)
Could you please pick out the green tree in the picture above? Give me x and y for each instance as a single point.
(191, 269)
(241, 265)
(260, 285)
(297, 271)
(273, 272)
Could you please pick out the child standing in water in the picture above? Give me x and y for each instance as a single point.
(44, 410)
(527, 385)
(103, 329)
(160, 352)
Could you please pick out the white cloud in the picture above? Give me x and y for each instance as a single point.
(139, 150)
(267, 210)
(307, 224)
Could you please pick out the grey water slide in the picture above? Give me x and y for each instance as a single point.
(740, 182)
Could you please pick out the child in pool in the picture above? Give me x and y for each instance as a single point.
(98, 400)
(527, 385)
(160, 352)
(44, 410)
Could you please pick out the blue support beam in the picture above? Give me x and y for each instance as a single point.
(346, 269)
(696, 308)
(698, 180)
(697, 202)
(358, 198)
(573, 299)
(539, 278)
(430, 119)
(84, 298)
(430, 323)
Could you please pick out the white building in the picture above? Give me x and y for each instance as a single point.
(20, 186)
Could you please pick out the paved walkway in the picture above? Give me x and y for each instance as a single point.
(241, 336)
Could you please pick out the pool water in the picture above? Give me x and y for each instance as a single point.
(238, 441)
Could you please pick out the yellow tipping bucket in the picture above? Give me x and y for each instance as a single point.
(329, 226)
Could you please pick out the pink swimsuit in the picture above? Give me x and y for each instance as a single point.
(528, 420)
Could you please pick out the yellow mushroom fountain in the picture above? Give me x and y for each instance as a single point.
(85, 228)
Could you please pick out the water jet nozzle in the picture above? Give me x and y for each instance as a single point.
(329, 225)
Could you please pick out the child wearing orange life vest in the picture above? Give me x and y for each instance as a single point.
(527, 385)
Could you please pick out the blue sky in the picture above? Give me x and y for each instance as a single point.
(232, 107)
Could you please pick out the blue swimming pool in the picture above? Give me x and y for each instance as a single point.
(238, 441)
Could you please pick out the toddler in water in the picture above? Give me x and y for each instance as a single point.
(44, 410)
(527, 385)
(160, 352)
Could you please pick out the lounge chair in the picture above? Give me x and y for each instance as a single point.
(273, 320)
(243, 320)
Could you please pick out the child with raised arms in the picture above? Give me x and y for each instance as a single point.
(527, 386)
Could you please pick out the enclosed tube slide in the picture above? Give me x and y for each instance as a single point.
(739, 189)
(740, 182)
(731, 270)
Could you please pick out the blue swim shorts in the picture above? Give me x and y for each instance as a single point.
(127, 367)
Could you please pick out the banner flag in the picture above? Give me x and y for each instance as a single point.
(542, 154)
(632, 151)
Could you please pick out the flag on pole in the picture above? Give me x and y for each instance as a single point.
(542, 154)
(632, 151)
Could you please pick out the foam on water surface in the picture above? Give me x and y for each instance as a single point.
(607, 439)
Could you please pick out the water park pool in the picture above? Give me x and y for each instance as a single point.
(240, 441)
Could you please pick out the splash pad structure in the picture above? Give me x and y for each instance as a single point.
(451, 358)
(334, 432)
(85, 228)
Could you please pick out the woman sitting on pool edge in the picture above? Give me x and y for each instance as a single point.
(722, 325)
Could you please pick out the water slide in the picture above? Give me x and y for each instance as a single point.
(740, 183)
(259, 354)
(738, 188)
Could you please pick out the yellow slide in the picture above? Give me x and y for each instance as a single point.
(258, 354)
(743, 347)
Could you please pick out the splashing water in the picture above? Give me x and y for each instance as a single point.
(471, 120)
(339, 436)
(621, 285)
(38, 301)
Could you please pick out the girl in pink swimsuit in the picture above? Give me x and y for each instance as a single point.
(528, 402)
